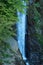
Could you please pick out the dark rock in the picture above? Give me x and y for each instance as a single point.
(34, 58)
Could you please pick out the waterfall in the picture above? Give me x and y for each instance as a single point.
(21, 33)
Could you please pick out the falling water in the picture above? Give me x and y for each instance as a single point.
(21, 33)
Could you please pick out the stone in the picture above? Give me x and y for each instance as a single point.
(15, 57)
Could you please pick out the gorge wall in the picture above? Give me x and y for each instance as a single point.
(32, 47)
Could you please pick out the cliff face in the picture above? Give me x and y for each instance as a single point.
(17, 58)
(12, 55)
(32, 46)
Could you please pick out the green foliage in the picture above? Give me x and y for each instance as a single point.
(37, 4)
(38, 23)
(8, 17)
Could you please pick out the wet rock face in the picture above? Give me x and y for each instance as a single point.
(34, 59)
(32, 47)
(33, 53)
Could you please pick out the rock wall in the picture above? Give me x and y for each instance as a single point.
(12, 55)
(32, 47)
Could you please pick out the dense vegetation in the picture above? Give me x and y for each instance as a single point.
(8, 17)
(39, 20)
